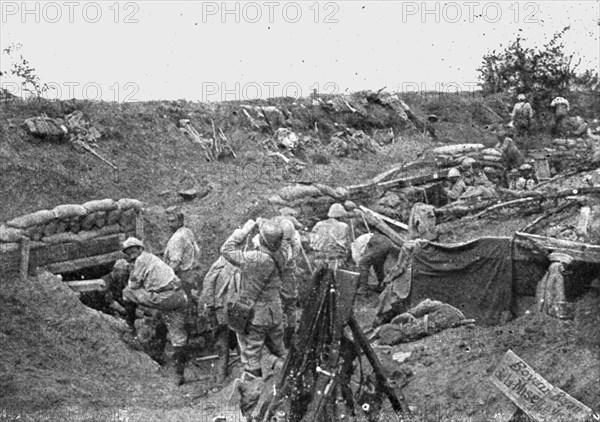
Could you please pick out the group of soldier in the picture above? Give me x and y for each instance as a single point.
(258, 265)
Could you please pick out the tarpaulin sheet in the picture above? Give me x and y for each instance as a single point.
(475, 277)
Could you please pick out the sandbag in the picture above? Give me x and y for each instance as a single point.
(61, 238)
(35, 232)
(491, 151)
(326, 190)
(88, 222)
(276, 200)
(62, 225)
(128, 203)
(34, 219)
(342, 193)
(68, 211)
(50, 228)
(128, 217)
(457, 149)
(493, 158)
(75, 225)
(100, 205)
(112, 229)
(11, 235)
(113, 217)
(86, 235)
(559, 141)
(100, 219)
(291, 193)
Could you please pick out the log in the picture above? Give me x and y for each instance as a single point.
(78, 264)
(579, 251)
(375, 221)
(96, 285)
(386, 218)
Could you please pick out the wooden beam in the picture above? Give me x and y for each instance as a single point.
(87, 285)
(45, 254)
(78, 264)
(579, 251)
(375, 221)
(386, 218)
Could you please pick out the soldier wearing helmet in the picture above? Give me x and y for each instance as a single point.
(455, 185)
(521, 116)
(261, 275)
(152, 283)
(330, 239)
(527, 179)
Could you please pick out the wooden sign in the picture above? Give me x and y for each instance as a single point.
(534, 395)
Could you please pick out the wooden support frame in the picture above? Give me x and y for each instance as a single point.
(78, 264)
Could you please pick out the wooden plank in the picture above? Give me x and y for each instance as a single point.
(535, 395)
(24, 267)
(386, 218)
(49, 254)
(579, 251)
(375, 221)
(78, 264)
(96, 285)
(416, 180)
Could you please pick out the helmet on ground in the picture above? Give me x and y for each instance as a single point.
(271, 235)
(454, 172)
(132, 241)
(337, 211)
(521, 97)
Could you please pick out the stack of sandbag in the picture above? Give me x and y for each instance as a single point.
(309, 201)
(452, 155)
(571, 144)
(74, 222)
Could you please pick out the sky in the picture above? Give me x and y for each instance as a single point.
(214, 50)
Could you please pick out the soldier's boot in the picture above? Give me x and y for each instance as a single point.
(130, 309)
(180, 358)
(250, 391)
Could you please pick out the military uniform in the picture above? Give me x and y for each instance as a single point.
(180, 254)
(375, 255)
(330, 243)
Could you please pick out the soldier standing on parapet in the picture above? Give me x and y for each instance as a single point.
(560, 107)
(153, 283)
(521, 117)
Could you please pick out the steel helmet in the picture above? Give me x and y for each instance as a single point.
(271, 235)
(521, 97)
(526, 167)
(454, 172)
(132, 241)
(467, 162)
(287, 228)
(337, 211)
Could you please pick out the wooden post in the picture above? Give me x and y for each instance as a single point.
(24, 269)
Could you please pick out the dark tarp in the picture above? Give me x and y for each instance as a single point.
(475, 277)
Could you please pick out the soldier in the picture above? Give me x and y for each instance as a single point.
(376, 253)
(116, 281)
(521, 116)
(456, 186)
(261, 275)
(560, 107)
(153, 284)
(220, 282)
(330, 239)
(182, 250)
